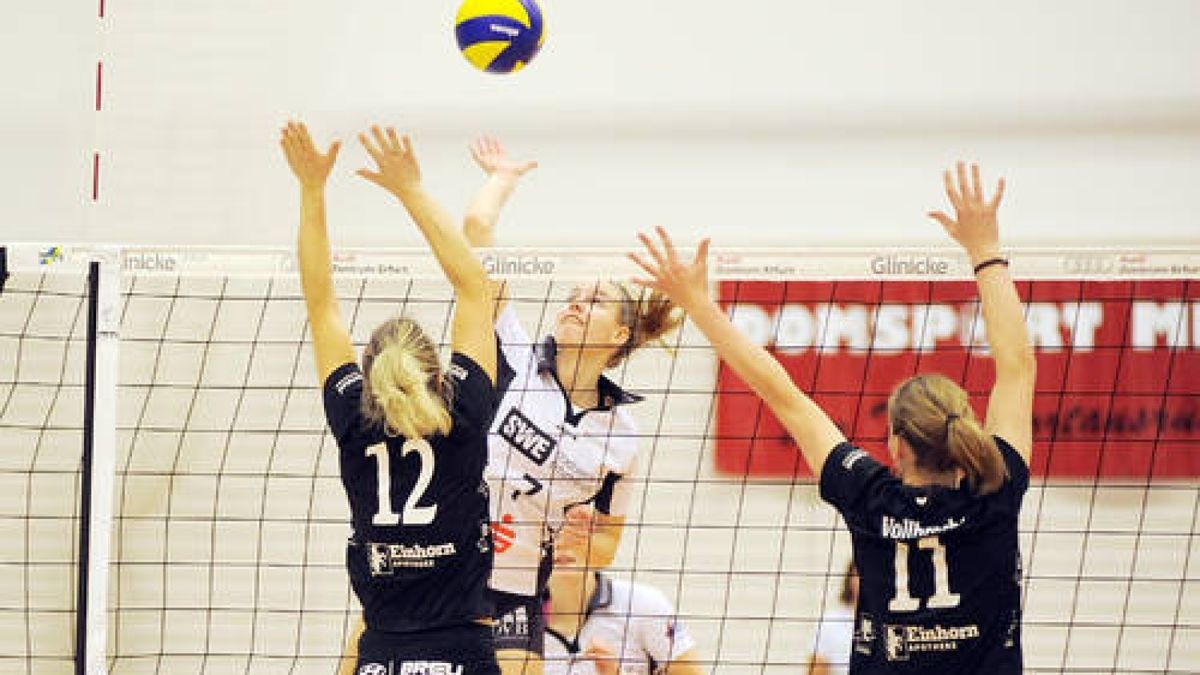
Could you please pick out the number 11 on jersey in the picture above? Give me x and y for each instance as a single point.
(942, 598)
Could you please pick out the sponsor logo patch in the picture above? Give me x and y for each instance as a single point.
(902, 641)
(524, 435)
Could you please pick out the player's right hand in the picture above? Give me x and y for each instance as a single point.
(490, 155)
(685, 283)
(398, 170)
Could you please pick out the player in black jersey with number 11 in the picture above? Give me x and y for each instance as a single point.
(412, 438)
(935, 542)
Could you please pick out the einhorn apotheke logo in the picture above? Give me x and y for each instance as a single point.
(916, 265)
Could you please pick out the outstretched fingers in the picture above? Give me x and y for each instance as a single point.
(393, 139)
(964, 187)
(952, 192)
(944, 220)
(976, 184)
(995, 201)
(643, 264)
(668, 245)
(380, 139)
(652, 249)
(374, 151)
(331, 154)
(702, 252)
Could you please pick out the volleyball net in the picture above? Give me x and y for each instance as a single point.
(205, 532)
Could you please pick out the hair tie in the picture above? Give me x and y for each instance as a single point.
(950, 418)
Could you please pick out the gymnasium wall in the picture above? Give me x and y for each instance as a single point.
(764, 122)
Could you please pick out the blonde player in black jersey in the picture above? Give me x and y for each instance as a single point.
(411, 434)
(935, 543)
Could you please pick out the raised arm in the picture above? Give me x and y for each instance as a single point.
(502, 175)
(687, 285)
(331, 339)
(975, 228)
(398, 172)
(479, 225)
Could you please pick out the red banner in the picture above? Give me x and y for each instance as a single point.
(1118, 387)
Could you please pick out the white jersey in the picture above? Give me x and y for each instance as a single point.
(834, 635)
(545, 456)
(635, 620)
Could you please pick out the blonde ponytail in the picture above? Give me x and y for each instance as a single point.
(404, 391)
(933, 414)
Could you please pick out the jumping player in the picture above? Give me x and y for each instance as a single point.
(411, 434)
(563, 447)
(935, 542)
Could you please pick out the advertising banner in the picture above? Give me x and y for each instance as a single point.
(1118, 386)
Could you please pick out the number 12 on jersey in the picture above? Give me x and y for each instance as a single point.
(413, 514)
(942, 598)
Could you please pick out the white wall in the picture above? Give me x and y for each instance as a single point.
(758, 122)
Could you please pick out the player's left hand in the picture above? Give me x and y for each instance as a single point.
(398, 169)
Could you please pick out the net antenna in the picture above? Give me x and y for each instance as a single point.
(97, 468)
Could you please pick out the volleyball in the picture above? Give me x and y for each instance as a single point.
(499, 36)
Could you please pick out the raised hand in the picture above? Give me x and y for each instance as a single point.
(974, 225)
(684, 283)
(310, 165)
(398, 170)
(490, 155)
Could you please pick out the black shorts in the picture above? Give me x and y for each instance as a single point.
(460, 650)
(520, 620)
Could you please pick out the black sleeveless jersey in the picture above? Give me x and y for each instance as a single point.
(421, 552)
(939, 568)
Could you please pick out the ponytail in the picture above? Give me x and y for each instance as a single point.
(403, 392)
(649, 315)
(933, 414)
(971, 449)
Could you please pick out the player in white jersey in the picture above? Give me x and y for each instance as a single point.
(600, 625)
(563, 447)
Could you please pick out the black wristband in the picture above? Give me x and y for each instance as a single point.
(989, 262)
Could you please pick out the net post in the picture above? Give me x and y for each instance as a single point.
(97, 470)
